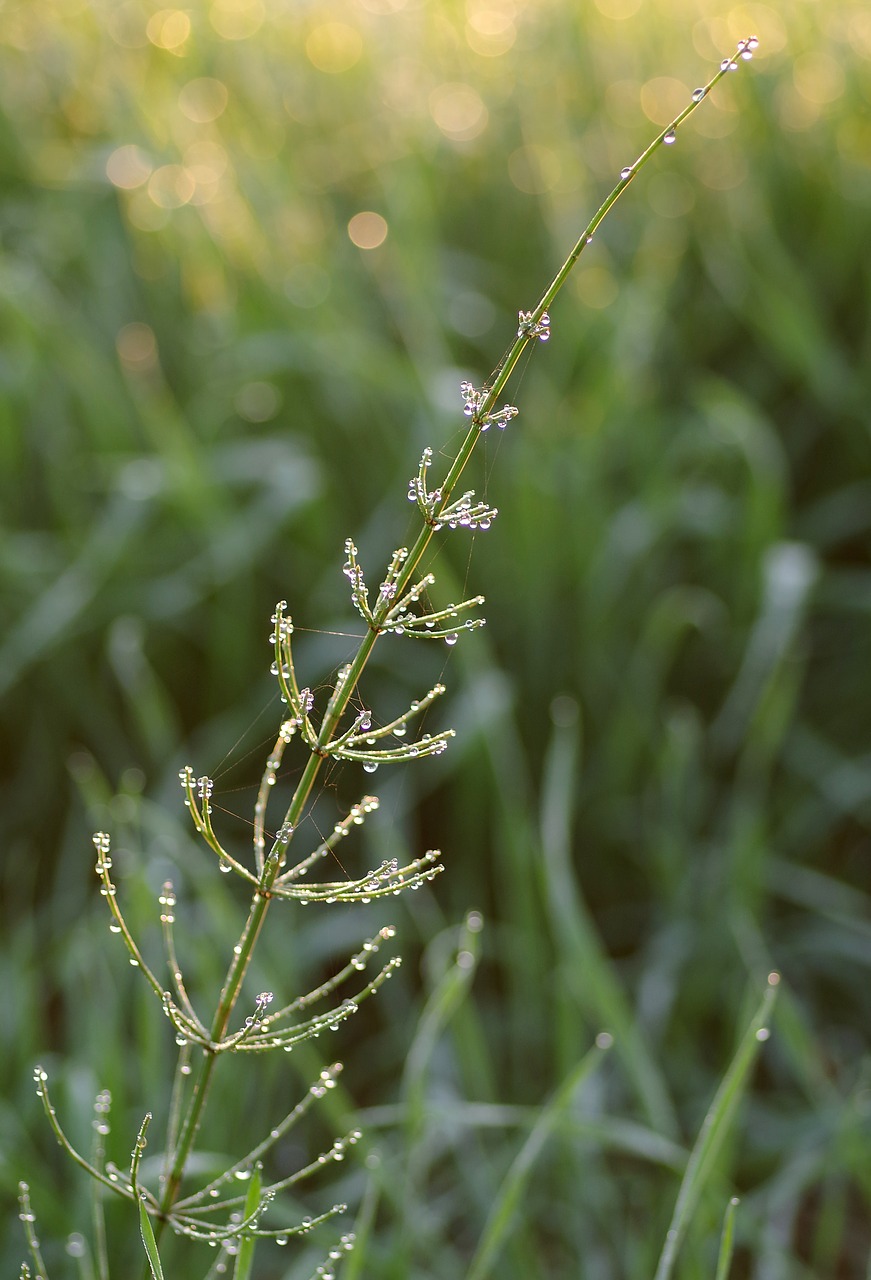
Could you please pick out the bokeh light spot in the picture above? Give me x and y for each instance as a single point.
(168, 29)
(237, 19)
(124, 25)
(534, 169)
(458, 111)
(171, 186)
(206, 162)
(137, 346)
(723, 169)
(257, 401)
(764, 22)
(860, 33)
(596, 287)
(334, 47)
(663, 98)
(367, 230)
(145, 215)
(818, 77)
(128, 167)
(618, 9)
(490, 29)
(203, 100)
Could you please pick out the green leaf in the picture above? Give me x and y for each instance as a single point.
(504, 1214)
(150, 1243)
(245, 1256)
(727, 1241)
(714, 1128)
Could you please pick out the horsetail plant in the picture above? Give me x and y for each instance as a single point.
(340, 729)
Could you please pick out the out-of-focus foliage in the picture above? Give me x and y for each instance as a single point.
(249, 249)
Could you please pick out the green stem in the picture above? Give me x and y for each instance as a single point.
(330, 723)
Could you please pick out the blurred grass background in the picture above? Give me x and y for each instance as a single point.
(249, 249)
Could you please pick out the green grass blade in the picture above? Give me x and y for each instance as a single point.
(727, 1240)
(589, 971)
(447, 997)
(245, 1256)
(504, 1213)
(714, 1128)
(150, 1243)
(363, 1228)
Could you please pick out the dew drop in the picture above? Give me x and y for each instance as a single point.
(370, 766)
(450, 640)
(626, 173)
(698, 94)
(76, 1247)
(669, 137)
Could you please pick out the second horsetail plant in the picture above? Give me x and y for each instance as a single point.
(339, 729)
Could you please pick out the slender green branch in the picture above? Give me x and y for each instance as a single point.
(534, 324)
(480, 407)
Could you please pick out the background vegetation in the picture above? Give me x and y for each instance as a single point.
(215, 369)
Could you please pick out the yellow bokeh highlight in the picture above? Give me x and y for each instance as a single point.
(618, 9)
(818, 77)
(860, 33)
(206, 163)
(663, 98)
(171, 186)
(168, 29)
(383, 6)
(128, 167)
(237, 19)
(367, 230)
(124, 25)
(334, 47)
(759, 20)
(596, 287)
(459, 111)
(491, 29)
(203, 100)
